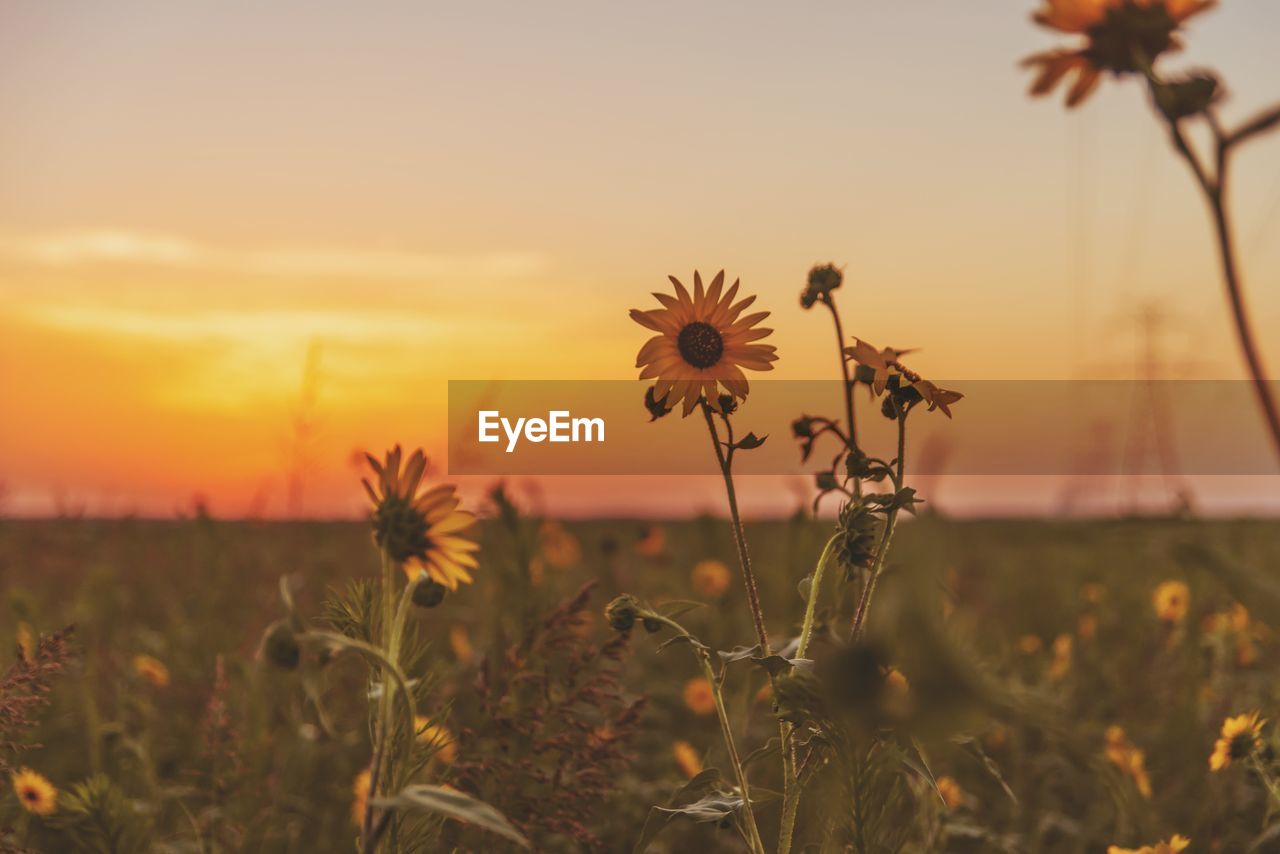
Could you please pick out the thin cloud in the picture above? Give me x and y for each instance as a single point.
(113, 246)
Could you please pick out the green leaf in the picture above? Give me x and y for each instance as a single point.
(750, 441)
(456, 805)
(699, 785)
(739, 653)
(338, 642)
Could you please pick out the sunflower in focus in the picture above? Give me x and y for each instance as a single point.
(1239, 738)
(35, 793)
(703, 343)
(1121, 36)
(420, 531)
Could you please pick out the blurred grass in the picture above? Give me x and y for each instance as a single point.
(190, 591)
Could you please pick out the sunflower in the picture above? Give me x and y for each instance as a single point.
(433, 735)
(1170, 601)
(1239, 738)
(688, 759)
(710, 578)
(1122, 36)
(1176, 843)
(421, 532)
(151, 669)
(703, 343)
(699, 696)
(35, 793)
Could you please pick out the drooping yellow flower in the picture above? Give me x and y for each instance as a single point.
(559, 548)
(1171, 600)
(699, 696)
(710, 579)
(1175, 844)
(952, 794)
(151, 669)
(422, 532)
(360, 795)
(35, 793)
(703, 343)
(1131, 761)
(1121, 36)
(431, 733)
(885, 363)
(1238, 739)
(688, 759)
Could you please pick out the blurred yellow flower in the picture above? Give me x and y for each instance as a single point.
(702, 345)
(710, 579)
(560, 548)
(1061, 663)
(1238, 739)
(688, 759)
(699, 696)
(151, 669)
(26, 638)
(1121, 36)
(35, 793)
(952, 794)
(1171, 599)
(1175, 844)
(430, 733)
(1093, 592)
(653, 543)
(1087, 626)
(1129, 759)
(1029, 644)
(460, 642)
(360, 795)
(895, 681)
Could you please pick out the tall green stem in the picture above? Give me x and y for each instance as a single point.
(886, 537)
(811, 606)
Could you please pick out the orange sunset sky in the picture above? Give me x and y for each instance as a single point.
(219, 219)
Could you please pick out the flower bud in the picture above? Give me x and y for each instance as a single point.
(427, 592)
(623, 612)
(280, 647)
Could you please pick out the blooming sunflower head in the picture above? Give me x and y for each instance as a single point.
(1239, 738)
(422, 531)
(703, 343)
(1171, 600)
(1121, 36)
(35, 793)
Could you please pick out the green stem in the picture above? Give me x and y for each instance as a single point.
(1267, 779)
(726, 730)
(811, 607)
(890, 522)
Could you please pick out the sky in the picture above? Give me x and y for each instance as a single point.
(241, 242)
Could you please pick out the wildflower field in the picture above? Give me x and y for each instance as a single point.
(450, 663)
(1059, 703)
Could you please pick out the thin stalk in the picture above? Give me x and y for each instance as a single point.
(1267, 779)
(811, 607)
(790, 791)
(830, 302)
(1214, 188)
(380, 766)
(886, 537)
(726, 731)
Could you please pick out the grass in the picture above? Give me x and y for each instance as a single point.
(264, 775)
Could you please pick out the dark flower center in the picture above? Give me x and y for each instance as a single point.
(1241, 746)
(31, 795)
(700, 344)
(400, 528)
(1129, 36)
